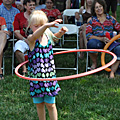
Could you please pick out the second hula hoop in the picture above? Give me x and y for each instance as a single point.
(105, 48)
(71, 76)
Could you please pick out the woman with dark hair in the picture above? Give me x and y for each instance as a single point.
(20, 24)
(98, 25)
(50, 11)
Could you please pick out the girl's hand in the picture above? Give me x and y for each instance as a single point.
(58, 20)
(63, 30)
(54, 23)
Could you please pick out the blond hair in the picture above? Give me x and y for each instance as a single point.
(37, 17)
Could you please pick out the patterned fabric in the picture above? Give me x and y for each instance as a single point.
(94, 27)
(53, 13)
(41, 65)
(8, 15)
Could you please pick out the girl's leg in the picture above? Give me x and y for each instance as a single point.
(52, 111)
(81, 45)
(84, 36)
(114, 68)
(41, 111)
(83, 40)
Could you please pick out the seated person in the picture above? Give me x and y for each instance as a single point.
(19, 5)
(51, 12)
(71, 4)
(98, 25)
(85, 11)
(40, 4)
(8, 12)
(20, 24)
(3, 40)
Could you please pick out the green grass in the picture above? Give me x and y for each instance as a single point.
(94, 97)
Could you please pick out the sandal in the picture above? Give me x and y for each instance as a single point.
(1, 77)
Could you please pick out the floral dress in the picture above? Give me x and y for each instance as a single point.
(41, 65)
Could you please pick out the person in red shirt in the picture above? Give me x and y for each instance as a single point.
(3, 40)
(51, 12)
(20, 24)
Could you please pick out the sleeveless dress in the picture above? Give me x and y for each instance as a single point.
(41, 65)
(85, 16)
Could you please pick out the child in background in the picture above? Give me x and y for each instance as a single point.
(41, 63)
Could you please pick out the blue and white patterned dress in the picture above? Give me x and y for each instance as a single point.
(41, 65)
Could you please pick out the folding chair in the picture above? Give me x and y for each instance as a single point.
(9, 56)
(72, 29)
(87, 62)
(69, 12)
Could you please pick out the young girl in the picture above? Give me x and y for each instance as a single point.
(41, 63)
(85, 11)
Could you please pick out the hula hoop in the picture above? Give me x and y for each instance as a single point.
(105, 48)
(71, 76)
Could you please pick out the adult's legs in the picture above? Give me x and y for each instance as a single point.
(3, 39)
(94, 44)
(20, 57)
(93, 57)
(20, 49)
(41, 111)
(52, 111)
(114, 67)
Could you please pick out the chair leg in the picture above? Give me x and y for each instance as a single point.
(87, 62)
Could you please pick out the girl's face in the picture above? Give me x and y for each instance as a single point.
(34, 26)
(99, 9)
(30, 6)
(49, 4)
(89, 2)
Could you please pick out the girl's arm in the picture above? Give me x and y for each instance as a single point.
(81, 10)
(60, 33)
(42, 29)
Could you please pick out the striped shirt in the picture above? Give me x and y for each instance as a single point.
(94, 27)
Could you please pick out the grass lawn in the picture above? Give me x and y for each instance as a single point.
(94, 97)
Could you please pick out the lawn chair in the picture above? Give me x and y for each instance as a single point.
(72, 29)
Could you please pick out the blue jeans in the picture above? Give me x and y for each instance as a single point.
(95, 44)
(116, 50)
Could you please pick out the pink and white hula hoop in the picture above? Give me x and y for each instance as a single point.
(71, 76)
